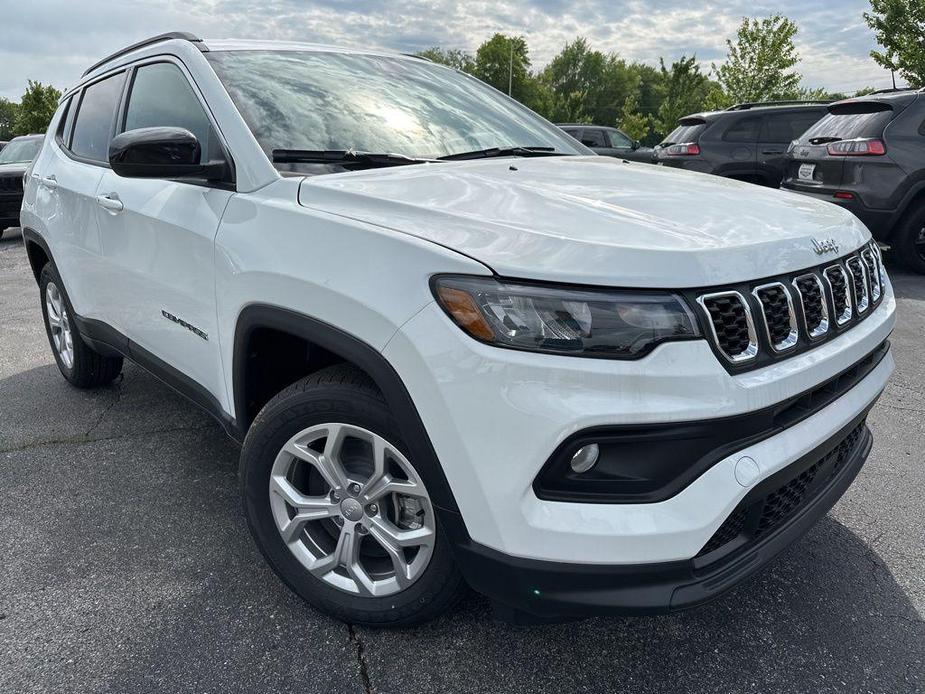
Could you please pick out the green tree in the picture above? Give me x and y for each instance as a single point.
(899, 26)
(759, 64)
(36, 108)
(684, 87)
(588, 85)
(632, 122)
(503, 62)
(8, 110)
(457, 59)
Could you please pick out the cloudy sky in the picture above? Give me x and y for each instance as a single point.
(55, 40)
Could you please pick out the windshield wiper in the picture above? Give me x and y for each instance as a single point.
(823, 140)
(341, 157)
(504, 152)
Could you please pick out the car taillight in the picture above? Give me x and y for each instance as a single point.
(861, 147)
(687, 149)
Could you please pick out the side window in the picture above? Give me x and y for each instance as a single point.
(593, 138)
(618, 139)
(744, 130)
(95, 116)
(786, 127)
(162, 96)
(804, 121)
(67, 119)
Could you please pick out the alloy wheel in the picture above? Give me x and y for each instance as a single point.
(59, 324)
(351, 508)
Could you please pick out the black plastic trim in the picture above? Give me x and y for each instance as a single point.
(182, 35)
(363, 356)
(688, 448)
(535, 591)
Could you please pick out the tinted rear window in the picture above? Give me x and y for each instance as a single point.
(852, 120)
(688, 130)
(95, 116)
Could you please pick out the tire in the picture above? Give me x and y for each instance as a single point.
(910, 239)
(82, 366)
(341, 404)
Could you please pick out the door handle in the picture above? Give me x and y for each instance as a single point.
(772, 151)
(110, 202)
(49, 182)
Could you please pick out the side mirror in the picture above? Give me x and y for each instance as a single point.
(636, 144)
(162, 153)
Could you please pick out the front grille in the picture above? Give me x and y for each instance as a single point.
(11, 184)
(793, 313)
(731, 324)
(756, 516)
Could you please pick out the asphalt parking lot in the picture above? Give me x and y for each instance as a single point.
(126, 566)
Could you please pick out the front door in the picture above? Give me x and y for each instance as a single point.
(158, 235)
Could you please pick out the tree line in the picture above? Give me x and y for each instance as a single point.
(585, 85)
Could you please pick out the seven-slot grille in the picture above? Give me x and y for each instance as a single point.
(794, 312)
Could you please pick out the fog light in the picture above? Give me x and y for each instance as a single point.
(585, 458)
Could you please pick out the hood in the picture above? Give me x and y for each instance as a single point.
(594, 220)
(17, 169)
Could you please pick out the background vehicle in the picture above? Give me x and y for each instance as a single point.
(609, 142)
(14, 160)
(457, 346)
(747, 142)
(868, 156)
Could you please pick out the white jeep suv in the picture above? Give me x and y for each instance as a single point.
(458, 348)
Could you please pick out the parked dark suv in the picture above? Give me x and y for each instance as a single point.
(609, 142)
(868, 155)
(14, 160)
(747, 142)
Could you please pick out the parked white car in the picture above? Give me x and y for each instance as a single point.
(457, 347)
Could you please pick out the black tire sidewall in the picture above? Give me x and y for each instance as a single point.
(908, 234)
(49, 274)
(279, 422)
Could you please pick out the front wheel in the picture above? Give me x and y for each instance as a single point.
(339, 510)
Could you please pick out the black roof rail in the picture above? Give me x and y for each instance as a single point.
(182, 35)
(796, 102)
(892, 90)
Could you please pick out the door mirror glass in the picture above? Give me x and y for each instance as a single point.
(163, 152)
(636, 144)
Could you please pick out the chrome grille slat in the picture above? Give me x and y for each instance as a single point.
(780, 320)
(730, 320)
(858, 283)
(873, 274)
(813, 303)
(837, 278)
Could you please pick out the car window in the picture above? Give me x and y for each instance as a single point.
(20, 150)
(851, 119)
(593, 138)
(786, 127)
(67, 118)
(688, 130)
(618, 139)
(162, 96)
(744, 130)
(320, 100)
(95, 116)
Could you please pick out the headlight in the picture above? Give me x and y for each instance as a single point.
(583, 322)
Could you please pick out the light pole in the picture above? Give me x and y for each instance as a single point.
(510, 74)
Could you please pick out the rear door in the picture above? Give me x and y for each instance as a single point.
(158, 235)
(810, 166)
(595, 139)
(737, 149)
(778, 130)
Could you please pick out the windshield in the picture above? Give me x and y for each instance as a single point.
(313, 100)
(687, 131)
(20, 151)
(846, 122)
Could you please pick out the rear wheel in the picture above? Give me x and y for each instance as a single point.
(339, 509)
(78, 362)
(910, 239)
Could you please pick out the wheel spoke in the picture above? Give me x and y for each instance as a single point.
(386, 532)
(328, 467)
(386, 484)
(399, 565)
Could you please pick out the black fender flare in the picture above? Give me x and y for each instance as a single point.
(364, 357)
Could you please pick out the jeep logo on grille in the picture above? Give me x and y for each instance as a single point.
(825, 246)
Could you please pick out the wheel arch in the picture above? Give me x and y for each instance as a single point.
(37, 251)
(348, 348)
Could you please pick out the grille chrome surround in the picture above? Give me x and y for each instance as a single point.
(800, 310)
(859, 283)
(822, 327)
(873, 272)
(843, 315)
(790, 341)
(751, 350)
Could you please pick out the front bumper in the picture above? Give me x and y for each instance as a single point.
(529, 591)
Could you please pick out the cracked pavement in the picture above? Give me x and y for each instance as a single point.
(126, 566)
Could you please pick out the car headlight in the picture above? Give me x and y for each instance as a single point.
(615, 324)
